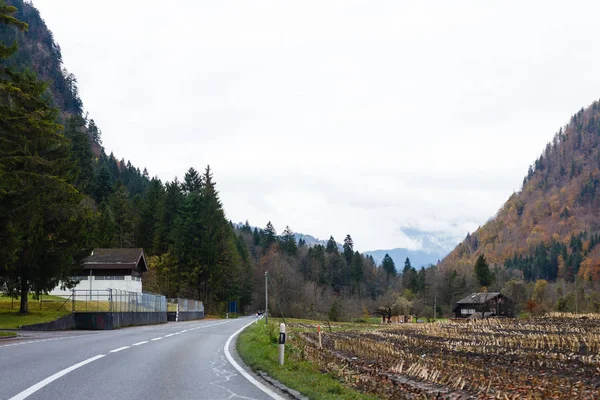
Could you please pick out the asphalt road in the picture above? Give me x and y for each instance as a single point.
(178, 360)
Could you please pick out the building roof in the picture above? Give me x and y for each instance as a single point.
(116, 259)
(479, 298)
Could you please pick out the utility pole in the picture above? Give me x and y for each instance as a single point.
(266, 298)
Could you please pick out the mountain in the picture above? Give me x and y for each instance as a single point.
(550, 228)
(37, 51)
(418, 258)
(433, 247)
(432, 251)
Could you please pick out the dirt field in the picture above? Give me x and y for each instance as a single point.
(555, 357)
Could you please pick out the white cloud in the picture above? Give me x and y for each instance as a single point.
(335, 117)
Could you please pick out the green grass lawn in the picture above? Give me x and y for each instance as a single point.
(43, 309)
(12, 319)
(8, 334)
(258, 347)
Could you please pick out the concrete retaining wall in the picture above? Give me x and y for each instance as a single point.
(116, 320)
(62, 324)
(185, 315)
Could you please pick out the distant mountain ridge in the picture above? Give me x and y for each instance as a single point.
(432, 253)
(418, 258)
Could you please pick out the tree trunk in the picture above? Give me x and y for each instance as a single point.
(24, 292)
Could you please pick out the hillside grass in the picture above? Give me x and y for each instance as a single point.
(43, 309)
(7, 334)
(258, 347)
(13, 320)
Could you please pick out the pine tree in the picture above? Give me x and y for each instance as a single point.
(120, 208)
(105, 227)
(41, 213)
(245, 294)
(81, 154)
(348, 249)
(187, 241)
(215, 238)
(332, 247)
(192, 182)
(103, 186)
(256, 237)
(246, 227)
(94, 132)
(6, 18)
(169, 212)
(482, 271)
(356, 270)
(388, 266)
(113, 170)
(150, 213)
(269, 235)
(288, 242)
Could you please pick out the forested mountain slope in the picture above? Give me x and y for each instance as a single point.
(61, 195)
(38, 51)
(548, 230)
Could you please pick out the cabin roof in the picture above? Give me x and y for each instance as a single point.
(116, 259)
(479, 298)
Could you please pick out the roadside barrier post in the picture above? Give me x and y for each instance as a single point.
(319, 329)
(281, 342)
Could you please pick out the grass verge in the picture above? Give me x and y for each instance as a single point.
(258, 347)
(12, 319)
(8, 334)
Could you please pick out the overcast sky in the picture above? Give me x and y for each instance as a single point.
(335, 117)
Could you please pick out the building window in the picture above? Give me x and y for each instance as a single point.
(467, 311)
(110, 278)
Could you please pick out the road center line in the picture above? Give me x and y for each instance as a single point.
(169, 335)
(156, 338)
(31, 390)
(42, 340)
(119, 349)
(138, 343)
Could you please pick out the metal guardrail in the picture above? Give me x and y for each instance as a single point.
(115, 300)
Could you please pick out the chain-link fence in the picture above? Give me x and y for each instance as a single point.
(115, 300)
(183, 305)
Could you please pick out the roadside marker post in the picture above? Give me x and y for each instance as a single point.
(319, 329)
(281, 342)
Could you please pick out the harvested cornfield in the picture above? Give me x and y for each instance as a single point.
(554, 357)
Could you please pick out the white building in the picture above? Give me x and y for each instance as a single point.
(120, 269)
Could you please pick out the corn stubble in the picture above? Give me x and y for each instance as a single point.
(553, 357)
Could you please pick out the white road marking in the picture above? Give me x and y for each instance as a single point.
(243, 372)
(41, 340)
(138, 343)
(184, 331)
(31, 390)
(156, 338)
(169, 335)
(119, 349)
